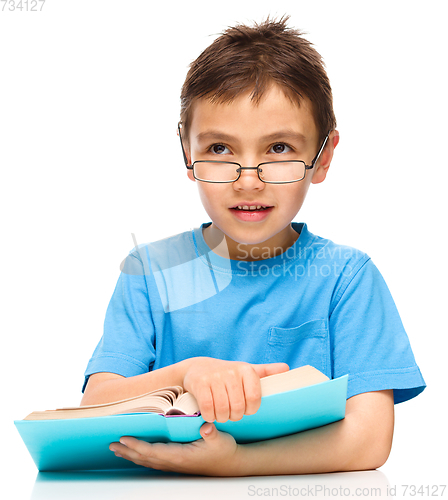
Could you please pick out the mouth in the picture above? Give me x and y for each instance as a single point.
(251, 212)
(250, 208)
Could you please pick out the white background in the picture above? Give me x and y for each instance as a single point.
(89, 102)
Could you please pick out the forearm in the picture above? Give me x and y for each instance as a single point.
(359, 442)
(342, 446)
(106, 387)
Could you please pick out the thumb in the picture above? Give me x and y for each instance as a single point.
(208, 431)
(270, 369)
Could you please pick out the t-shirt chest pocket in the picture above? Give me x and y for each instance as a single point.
(307, 344)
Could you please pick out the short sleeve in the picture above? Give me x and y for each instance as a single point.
(368, 338)
(127, 345)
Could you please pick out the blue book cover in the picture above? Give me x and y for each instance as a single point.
(83, 443)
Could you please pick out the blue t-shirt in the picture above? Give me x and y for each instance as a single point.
(317, 303)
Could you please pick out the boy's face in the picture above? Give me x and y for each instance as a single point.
(247, 133)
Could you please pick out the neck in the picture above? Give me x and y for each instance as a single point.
(225, 247)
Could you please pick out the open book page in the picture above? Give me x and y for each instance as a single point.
(186, 404)
(292, 379)
(158, 401)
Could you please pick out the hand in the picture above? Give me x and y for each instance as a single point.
(213, 455)
(227, 389)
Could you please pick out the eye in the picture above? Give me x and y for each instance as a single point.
(279, 148)
(219, 149)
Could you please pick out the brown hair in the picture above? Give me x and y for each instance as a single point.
(245, 58)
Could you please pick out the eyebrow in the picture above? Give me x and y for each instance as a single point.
(276, 136)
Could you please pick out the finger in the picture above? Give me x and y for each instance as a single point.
(129, 453)
(252, 392)
(236, 398)
(212, 438)
(220, 402)
(135, 444)
(270, 369)
(208, 432)
(205, 401)
(154, 455)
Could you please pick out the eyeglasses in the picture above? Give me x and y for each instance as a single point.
(272, 172)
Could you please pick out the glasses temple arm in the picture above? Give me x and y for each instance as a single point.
(182, 146)
(320, 150)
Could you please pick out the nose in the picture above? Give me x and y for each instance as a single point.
(248, 180)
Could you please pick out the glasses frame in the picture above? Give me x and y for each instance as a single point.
(240, 168)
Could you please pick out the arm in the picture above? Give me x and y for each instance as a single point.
(106, 387)
(359, 442)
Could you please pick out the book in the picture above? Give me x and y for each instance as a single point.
(166, 401)
(78, 438)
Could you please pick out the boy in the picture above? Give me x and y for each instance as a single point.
(252, 293)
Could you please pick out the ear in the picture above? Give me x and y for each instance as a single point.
(323, 164)
(189, 171)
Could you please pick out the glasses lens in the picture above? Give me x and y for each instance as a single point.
(215, 171)
(282, 171)
(219, 171)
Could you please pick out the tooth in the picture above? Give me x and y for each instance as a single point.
(245, 207)
(252, 207)
(258, 207)
(240, 207)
